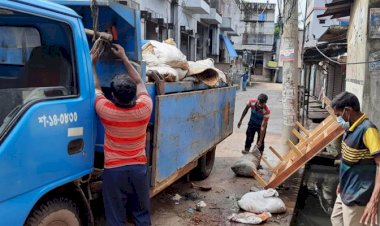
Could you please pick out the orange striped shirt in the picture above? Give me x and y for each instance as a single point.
(124, 130)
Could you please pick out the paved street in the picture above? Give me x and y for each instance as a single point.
(226, 187)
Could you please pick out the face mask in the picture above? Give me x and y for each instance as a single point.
(345, 125)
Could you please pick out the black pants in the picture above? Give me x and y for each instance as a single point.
(126, 191)
(251, 131)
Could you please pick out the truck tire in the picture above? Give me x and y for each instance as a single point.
(205, 165)
(60, 211)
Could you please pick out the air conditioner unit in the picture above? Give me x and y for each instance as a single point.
(146, 15)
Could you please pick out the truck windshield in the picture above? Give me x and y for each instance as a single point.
(36, 62)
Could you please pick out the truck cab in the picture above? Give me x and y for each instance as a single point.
(47, 114)
(51, 141)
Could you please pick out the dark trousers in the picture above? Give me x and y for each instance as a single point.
(126, 192)
(251, 131)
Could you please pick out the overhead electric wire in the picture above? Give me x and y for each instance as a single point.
(342, 63)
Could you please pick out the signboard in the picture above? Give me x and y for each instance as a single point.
(374, 23)
(287, 55)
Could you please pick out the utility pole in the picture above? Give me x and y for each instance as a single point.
(289, 57)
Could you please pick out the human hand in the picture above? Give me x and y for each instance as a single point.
(119, 51)
(337, 189)
(259, 144)
(370, 214)
(94, 57)
(239, 124)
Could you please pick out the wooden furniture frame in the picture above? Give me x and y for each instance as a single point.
(311, 142)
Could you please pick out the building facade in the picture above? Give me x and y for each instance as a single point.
(195, 25)
(322, 77)
(257, 26)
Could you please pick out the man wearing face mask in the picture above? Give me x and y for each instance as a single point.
(257, 123)
(359, 180)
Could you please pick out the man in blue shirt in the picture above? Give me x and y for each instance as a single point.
(245, 77)
(257, 123)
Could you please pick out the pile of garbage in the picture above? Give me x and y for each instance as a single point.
(167, 60)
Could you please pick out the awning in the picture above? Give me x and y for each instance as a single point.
(337, 9)
(334, 33)
(230, 47)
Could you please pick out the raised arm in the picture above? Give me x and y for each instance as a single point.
(94, 60)
(118, 50)
(243, 115)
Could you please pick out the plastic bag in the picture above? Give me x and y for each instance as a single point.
(250, 218)
(262, 201)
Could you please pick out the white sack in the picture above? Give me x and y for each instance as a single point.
(262, 201)
(166, 54)
(150, 60)
(181, 73)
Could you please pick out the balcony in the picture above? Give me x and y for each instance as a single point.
(197, 6)
(226, 24)
(234, 32)
(212, 18)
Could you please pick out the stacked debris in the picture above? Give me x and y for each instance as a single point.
(168, 61)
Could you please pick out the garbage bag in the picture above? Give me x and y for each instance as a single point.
(246, 165)
(243, 167)
(262, 201)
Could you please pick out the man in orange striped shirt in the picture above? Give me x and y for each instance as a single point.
(125, 120)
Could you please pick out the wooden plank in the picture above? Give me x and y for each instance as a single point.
(294, 148)
(328, 106)
(322, 125)
(280, 167)
(303, 129)
(258, 177)
(267, 163)
(299, 162)
(318, 132)
(298, 135)
(276, 153)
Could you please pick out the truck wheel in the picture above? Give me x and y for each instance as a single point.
(60, 211)
(205, 165)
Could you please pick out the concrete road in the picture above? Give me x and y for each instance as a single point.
(226, 187)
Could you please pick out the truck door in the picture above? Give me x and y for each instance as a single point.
(46, 111)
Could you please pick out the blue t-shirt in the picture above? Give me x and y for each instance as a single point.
(257, 115)
(245, 77)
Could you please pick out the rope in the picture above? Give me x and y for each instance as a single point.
(100, 43)
(95, 16)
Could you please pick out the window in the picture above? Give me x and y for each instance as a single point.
(36, 63)
(262, 17)
(16, 44)
(261, 38)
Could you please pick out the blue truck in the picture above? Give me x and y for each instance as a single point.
(51, 141)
